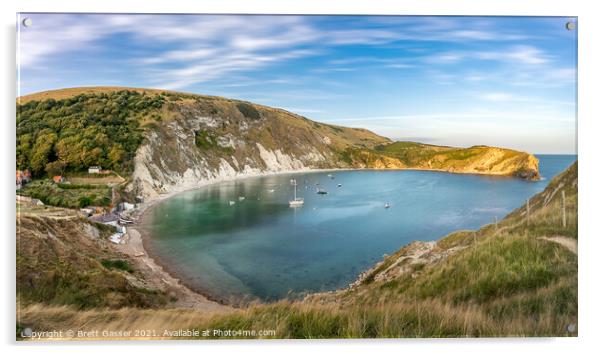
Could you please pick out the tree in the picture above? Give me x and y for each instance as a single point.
(116, 156)
(55, 168)
(41, 151)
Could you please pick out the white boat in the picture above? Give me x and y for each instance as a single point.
(241, 198)
(387, 205)
(271, 190)
(232, 202)
(331, 176)
(339, 185)
(296, 202)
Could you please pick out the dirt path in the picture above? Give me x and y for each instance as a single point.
(155, 275)
(568, 243)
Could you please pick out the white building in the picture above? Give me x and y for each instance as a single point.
(94, 169)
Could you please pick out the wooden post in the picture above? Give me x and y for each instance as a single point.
(563, 209)
(528, 211)
(495, 220)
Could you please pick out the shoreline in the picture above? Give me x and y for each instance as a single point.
(162, 269)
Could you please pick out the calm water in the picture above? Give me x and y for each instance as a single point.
(261, 247)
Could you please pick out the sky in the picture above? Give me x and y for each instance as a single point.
(459, 81)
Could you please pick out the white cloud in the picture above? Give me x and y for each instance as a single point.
(198, 48)
(498, 97)
(522, 54)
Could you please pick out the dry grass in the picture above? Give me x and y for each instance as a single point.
(424, 318)
(60, 94)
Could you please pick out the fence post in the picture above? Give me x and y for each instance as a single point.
(495, 220)
(563, 209)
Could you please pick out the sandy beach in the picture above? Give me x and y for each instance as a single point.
(158, 275)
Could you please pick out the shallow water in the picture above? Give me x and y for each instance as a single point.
(260, 247)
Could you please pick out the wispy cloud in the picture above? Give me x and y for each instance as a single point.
(202, 48)
(391, 73)
(521, 54)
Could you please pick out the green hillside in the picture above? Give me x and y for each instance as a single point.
(66, 131)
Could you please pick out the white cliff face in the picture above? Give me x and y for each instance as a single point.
(277, 161)
(169, 160)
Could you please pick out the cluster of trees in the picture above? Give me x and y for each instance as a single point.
(72, 134)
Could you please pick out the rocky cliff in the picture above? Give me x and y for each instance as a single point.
(169, 141)
(211, 139)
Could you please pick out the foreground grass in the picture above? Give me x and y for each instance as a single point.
(425, 318)
(500, 280)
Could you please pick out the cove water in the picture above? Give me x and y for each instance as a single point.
(259, 247)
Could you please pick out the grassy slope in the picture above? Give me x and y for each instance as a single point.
(68, 195)
(475, 159)
(64, 259)
(510, 282)
(350, 147)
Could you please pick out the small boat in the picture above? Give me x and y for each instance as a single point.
(387, 205)
(296, 202)
(330, 176)
(271, 190)
(241, 199)
(339, 185)
(321, 191)
(232, 202)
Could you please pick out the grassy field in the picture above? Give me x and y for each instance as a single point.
(68, 195)
(501, 280)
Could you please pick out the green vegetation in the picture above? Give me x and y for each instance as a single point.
(204, 140)
(87, 129)
(68, 195)
(248, 111)
(414, 154)
(60, 261)
(66, 131)
(119, 264)
(80, 186)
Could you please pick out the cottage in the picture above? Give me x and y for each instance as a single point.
(94, 170)
(58, 179)
(126, 206)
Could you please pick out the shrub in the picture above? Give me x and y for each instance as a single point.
(119, 264)
(248, 111)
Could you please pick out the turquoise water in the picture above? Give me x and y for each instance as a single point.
(260, 247)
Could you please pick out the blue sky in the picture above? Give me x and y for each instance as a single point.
(461, 81)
